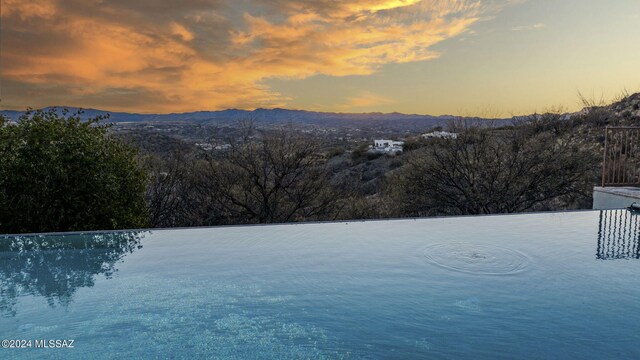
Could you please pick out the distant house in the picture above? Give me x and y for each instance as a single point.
(209, 147)
(440, 135)
(205, 146)
(387, 146)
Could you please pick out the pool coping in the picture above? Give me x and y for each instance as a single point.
(96, 232)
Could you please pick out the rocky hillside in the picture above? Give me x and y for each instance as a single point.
(628, 107)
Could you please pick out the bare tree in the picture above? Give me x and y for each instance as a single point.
(278, 178)
(489, 171)
(173, 197)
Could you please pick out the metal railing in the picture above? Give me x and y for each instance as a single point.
(621, 161)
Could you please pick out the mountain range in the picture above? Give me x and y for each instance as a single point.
(266, 117)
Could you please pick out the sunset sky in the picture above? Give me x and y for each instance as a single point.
(463, 57)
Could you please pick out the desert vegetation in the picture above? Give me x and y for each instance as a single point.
(524, 168)
(59, 173)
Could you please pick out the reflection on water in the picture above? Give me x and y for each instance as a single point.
(54, 267)
(618, 234)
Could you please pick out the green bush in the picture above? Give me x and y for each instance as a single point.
(58, 173)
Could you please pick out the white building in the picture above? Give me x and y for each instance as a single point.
(440, 135)
(387, 146)
(209, 146)
(205, 146)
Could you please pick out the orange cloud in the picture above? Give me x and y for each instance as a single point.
(181, 31)
(172, 55)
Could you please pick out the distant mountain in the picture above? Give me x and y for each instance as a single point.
(381, 123)
(392, 121)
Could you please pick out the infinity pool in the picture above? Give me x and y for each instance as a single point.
(536, 286)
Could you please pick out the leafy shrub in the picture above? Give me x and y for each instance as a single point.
(58, 173)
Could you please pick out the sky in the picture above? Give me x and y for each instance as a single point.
(490, 58)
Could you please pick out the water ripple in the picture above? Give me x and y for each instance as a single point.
(477, 259)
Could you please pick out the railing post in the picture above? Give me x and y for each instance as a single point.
(604, 159)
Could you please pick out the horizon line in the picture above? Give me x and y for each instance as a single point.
(285, 109)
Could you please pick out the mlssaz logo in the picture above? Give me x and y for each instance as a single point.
(54, 344)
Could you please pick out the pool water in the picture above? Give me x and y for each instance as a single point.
(536, 286)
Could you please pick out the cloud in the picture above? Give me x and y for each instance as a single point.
(181, 55)
(529, 27)
(181, 31)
